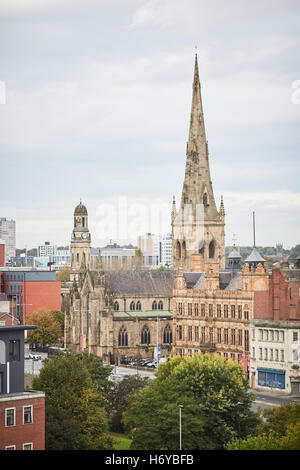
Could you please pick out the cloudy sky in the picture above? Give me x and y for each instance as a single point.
(96, 105)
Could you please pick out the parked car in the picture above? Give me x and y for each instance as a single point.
(151, 364)
(35, 357)
(144, 362)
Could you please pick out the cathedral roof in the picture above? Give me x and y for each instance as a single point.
(154, 282)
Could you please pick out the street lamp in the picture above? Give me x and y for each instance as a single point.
(180, 433)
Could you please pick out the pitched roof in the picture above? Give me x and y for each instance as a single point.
(234, 254)
(254, 257)
(154, 282)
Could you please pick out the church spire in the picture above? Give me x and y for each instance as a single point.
(198, 235)
(197, 187)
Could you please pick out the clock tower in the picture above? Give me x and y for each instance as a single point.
(80, 240)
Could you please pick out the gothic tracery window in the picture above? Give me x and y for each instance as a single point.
(160, 305)
(123, 337)
(116, 306)
(154, 305)
(132, 305)
(168, 335)
(138, 305)
(145, 335)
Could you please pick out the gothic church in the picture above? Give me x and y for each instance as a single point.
(116, 314)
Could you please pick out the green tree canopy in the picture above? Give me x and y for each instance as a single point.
(271, 441)
(75, 415)
(60, 318)
(216, 405)
(119, 398)
(279, 418)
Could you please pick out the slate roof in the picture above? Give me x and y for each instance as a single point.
(192, 279)
(161, 283)
(154, 282)
(235, 283)
(254, 257)
(234, 254)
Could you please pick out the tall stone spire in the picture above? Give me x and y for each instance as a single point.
(198, 228)
(197, 187)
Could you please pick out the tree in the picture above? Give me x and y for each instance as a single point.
(119, 398)
(262, 442)
(75, 415)
(60, 318)
(271, 441)
(278, 419)
(216, 405)
(99, 375)
(138, 258)
(48, 329)
(279, 431)
(63, 274)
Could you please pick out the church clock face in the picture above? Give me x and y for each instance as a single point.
(85, 235)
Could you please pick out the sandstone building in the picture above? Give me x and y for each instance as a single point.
(199, 305)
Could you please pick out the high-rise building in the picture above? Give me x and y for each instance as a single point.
(157, 249)
(8, 234)
(46, 249)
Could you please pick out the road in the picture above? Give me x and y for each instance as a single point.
(271, 400)
(262, 399)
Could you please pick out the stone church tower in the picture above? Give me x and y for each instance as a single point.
(80, 241)
(198, 236)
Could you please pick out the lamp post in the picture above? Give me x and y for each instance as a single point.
(180, 431)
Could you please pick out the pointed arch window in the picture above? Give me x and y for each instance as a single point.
(183, 250)
(154, 305)
(138, 305)
(116, 306)
(205, 200)
(178, 250)
(123, 337)
(160, 305)
(132, 305)
(211, 249)
(168, 335)
(145, 335)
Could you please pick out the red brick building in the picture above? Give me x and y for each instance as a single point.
(22, 414)
(22, 418)
(30, 290)
(281, 300)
